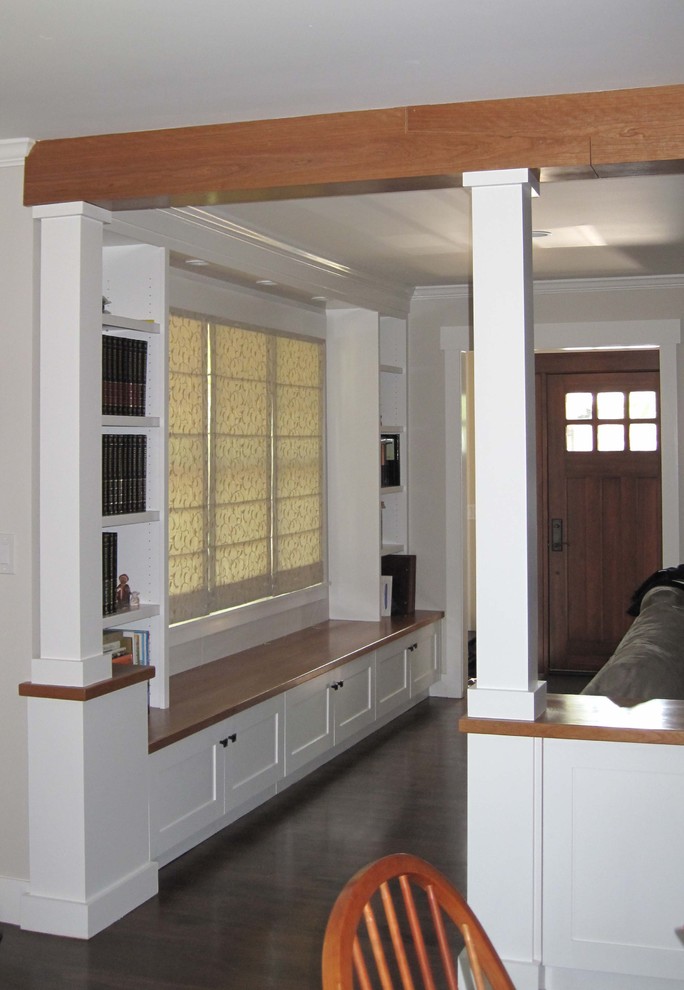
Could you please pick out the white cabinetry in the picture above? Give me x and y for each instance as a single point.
(201, 783)
(328, 711)
(207, 780)
(393, 681)
(423, 655)
(613, 871)
(404, 671)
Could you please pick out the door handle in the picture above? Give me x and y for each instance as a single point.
(557, 535)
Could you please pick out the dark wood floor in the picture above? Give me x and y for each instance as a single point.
(247, 909)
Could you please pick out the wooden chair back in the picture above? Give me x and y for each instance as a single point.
(395, 926)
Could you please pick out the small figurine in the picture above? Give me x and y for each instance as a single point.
(123, 591)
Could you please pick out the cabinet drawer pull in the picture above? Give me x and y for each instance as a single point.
(231, 738)
(336, 685)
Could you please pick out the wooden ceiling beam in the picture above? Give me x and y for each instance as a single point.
(403, 147)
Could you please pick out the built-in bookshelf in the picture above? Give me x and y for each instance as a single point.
(134, 459)
(393, 436)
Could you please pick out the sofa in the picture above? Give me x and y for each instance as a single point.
(649, 660)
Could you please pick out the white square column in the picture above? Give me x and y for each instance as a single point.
(505, 468)
(70, 445)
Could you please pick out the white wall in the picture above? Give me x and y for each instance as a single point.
(430, 311)
(18, 495)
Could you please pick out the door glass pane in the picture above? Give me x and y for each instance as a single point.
(611, 437)
(578, 405)
(642, 405)
(579, 437)
(643, 436)
(610, 405)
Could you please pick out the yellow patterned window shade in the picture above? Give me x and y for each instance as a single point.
(246, 466)
(188, 467)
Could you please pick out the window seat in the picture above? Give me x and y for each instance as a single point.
(206, 695)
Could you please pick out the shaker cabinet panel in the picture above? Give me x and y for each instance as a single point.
(393, 686)
(186, 792)
(253, 752)
(308, 722)
(424, 662)
(354, 701)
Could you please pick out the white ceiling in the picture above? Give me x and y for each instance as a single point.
(97, 66)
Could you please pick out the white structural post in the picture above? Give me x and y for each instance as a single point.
(505, 472)
(87, 748)
(70, 432)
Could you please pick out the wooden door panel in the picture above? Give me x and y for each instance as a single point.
(609, 506)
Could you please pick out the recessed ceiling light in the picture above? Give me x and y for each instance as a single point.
(197, 262)
(541, 233)
(319, 299)
(266, 281)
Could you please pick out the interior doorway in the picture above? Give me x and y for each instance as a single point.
(599, 499)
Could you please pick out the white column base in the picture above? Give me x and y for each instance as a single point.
(83, 919)
(11, 893)
(503, 703)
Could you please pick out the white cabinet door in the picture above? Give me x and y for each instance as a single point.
(308, 722)
(328, 710)
(252, 743)
(613, 870)
(392, 681)
(354, 701)
(186, 791)
(423, 661)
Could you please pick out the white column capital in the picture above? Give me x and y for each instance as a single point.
(503, 177)
(80, 209)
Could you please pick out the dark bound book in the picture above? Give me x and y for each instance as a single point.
(402, 568)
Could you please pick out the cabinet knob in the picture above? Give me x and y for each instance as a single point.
(413, 647)
(336, 685)
(231, 738)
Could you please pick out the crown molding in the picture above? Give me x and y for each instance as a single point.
(197, 232)
(13, 151)
(616, 283)
(543, 287)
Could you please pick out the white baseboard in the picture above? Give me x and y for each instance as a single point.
(83, 919)
(11, 893)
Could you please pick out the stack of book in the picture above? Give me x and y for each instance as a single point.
(124, 376)
(109, 573)
(124, 473)
(128, 645)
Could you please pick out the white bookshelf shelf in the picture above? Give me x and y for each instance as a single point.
(130, 519)
(134, 422)
(125, 618)
(111, 322)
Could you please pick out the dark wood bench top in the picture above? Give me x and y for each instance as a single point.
(592, 717)
(206, 695)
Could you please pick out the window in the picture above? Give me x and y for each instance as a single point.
(611, 421)
(245, 465)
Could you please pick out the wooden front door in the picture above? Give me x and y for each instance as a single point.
(600, 499)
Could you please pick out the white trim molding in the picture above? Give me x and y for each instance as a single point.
(14, 151)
